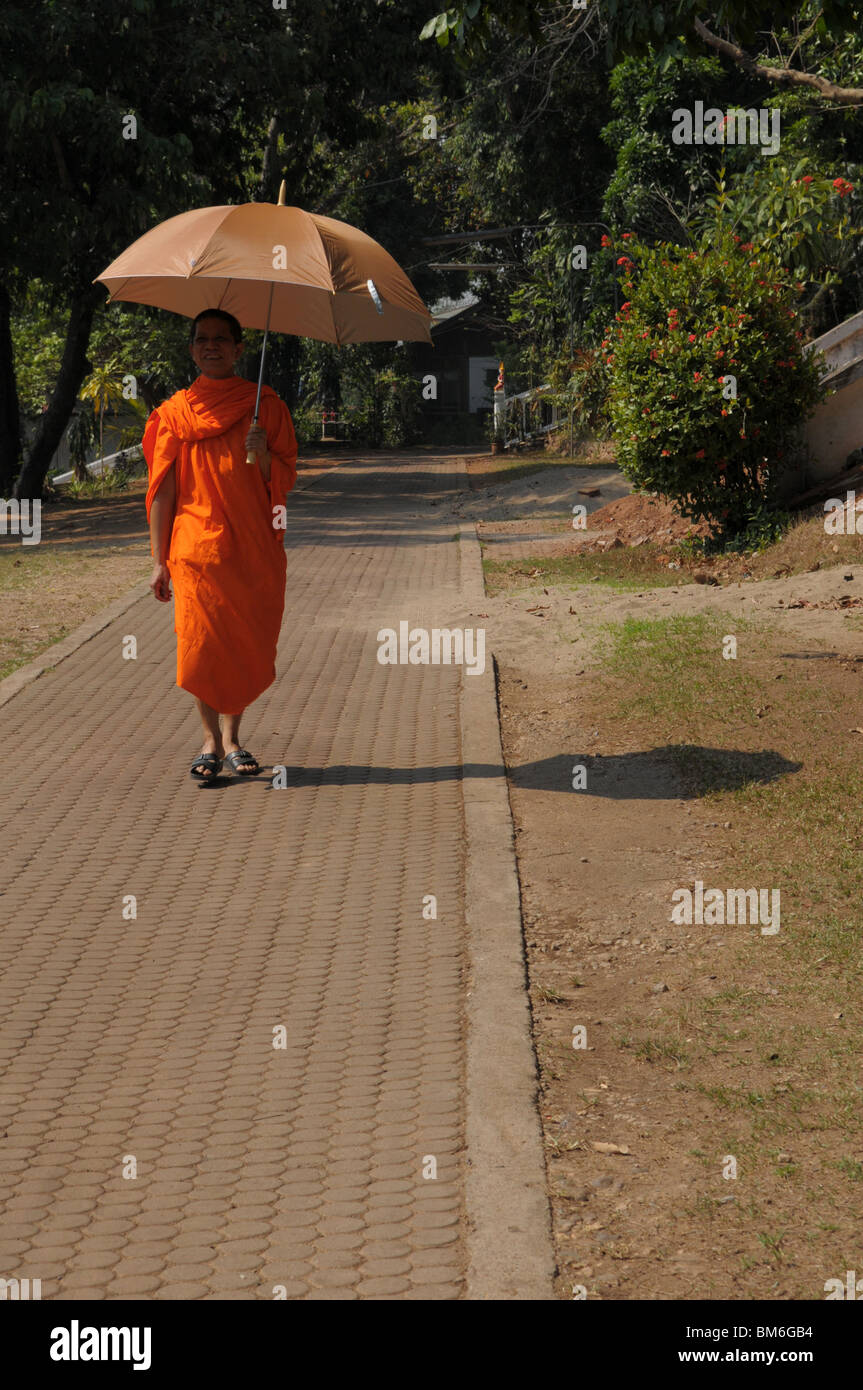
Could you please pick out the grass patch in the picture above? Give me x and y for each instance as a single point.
(624, 570)
(47, 592)
(673, 668)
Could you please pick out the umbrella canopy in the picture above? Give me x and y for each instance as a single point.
(231, 258)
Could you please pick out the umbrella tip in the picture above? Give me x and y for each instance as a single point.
(283, 201)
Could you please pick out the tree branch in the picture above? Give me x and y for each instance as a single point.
(792, 77)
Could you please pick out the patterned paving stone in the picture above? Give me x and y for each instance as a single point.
(147, 1042)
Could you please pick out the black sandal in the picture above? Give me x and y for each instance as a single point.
(209, 761)
(243, 759)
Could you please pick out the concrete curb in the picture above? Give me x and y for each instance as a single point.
(509, 1243)
(25, 675)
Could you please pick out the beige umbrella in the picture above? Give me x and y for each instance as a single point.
(272, 267)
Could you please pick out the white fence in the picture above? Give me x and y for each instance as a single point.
(530, 414)
(106, 465)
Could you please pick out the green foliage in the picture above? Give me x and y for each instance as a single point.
(37, 343)
(633, 26)
(307, 423)
(383, 407)
(809, 220)
(764, 527)
(585, 393)
(697, 325)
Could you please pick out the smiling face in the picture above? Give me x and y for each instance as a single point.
(213, 349)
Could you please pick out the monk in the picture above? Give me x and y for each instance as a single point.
(212, 532)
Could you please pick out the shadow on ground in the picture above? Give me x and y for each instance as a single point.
(673, 772)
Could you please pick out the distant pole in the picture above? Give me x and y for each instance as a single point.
(500, 404)
(571, 350)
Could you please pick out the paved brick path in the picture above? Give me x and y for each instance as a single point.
(152, 1038)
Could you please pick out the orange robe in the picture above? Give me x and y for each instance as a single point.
(226, 559)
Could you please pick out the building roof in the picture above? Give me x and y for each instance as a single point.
(445, 309)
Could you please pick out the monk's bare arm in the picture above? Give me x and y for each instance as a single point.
(161, 523)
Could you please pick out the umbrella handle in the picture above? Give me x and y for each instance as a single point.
(250, 457)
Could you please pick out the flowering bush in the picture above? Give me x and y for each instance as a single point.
(810, 222)
(709, 380)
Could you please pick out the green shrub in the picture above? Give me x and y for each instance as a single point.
(699, 326)
(586, 394)
(387, 412)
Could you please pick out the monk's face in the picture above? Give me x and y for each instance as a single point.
(213, 350)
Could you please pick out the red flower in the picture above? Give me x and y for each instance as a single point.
(606, 241)
(700, 454)
(692, 338)
(807, 179)
(696, 376)
(665, 453)
(626, 236)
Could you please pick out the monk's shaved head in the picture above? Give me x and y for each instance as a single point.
(233, 324)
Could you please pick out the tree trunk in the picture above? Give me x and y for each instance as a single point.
(10, 419)
(73, 369)
(268, 168)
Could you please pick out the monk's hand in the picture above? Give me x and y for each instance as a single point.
(256, 443)
(160, 583)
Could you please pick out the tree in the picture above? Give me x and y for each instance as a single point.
(106, 129)
(118, 119)
(104, 387)
(748, 33)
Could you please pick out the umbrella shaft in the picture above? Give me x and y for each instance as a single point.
(263, 356)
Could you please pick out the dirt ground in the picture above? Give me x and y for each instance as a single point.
(693, 1048)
